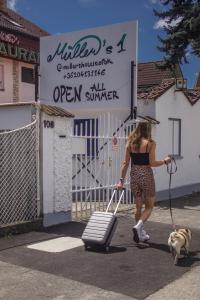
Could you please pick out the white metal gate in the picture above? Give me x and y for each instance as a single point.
(98, 148)
(19, 165)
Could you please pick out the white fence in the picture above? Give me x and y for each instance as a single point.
(98, 148)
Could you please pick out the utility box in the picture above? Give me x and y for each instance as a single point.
(35, 144)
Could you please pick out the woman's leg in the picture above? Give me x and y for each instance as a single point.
(138, 205)
(147, 186)
(149, 204)
(138, 229)
(137, 235)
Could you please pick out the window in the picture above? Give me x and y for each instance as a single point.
(175, 134)
(88, 128)
(1, 77)
(28, 75)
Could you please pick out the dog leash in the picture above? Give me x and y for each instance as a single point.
(171, 169)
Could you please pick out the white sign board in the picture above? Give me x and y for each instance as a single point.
(89, 69)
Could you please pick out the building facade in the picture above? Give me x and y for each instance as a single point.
(177, 110)
(19, 56)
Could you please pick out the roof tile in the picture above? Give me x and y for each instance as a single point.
(150, 75)
(156, 91)
(153, 82)
(193, 95)
(9, 19)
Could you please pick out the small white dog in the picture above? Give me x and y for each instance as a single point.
(178, 240)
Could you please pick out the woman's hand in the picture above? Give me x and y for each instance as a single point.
(120, 185)
(167, 160)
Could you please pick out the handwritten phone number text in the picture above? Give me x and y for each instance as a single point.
(91, 73)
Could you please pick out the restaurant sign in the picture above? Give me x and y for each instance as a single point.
(10, 47)
(89, 69)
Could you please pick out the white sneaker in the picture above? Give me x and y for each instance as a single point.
(144, 236)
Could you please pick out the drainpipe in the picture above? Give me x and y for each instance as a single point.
(36, 82)
(133, 100)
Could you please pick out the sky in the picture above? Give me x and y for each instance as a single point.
(60, 16)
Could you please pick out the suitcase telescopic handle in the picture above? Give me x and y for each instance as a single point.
(111, 200)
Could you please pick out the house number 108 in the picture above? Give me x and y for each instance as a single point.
(48, 124)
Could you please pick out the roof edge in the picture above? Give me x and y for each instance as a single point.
(51, 110)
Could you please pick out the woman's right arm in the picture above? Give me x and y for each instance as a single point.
(152, 156)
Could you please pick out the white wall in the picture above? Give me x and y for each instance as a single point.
(26, 90)
(13, 117)
(175, 105)
(6, 96)
(57, 170)
(146, 108)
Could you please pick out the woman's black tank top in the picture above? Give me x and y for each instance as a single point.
(138, 158)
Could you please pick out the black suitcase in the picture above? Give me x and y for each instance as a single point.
(101, 227)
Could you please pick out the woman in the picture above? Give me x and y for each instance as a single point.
(140, 148)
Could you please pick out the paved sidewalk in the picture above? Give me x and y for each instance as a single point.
(25, 284)
(128, 271)
(185, 288)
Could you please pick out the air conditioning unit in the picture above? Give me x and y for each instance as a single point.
(181, 84)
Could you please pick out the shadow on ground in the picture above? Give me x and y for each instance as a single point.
(128, 268)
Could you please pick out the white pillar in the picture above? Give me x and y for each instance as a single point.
(56, 169)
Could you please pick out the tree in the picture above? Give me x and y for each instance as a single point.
(182, 28)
